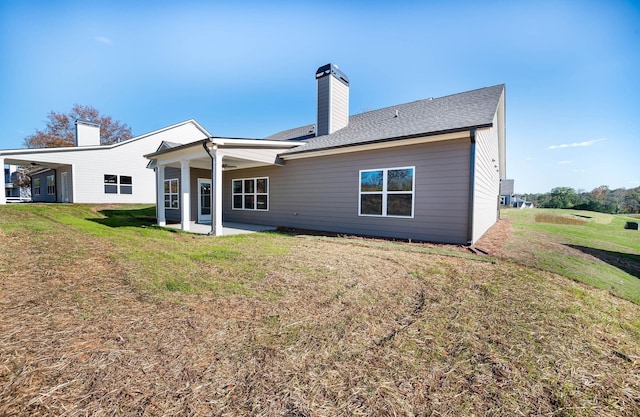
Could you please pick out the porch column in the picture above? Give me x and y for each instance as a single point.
(160, 209)
(3, 187)
(218, 194)
(185, 194)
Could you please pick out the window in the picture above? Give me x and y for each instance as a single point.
(251, 194)
(110, 184)
(36, 186)
(387, 192)
(171, 193)
(51, 184)
(126, 185)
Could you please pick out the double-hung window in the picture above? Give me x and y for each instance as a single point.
(251, 194)
(51, 184)
(171, 199)
(387, 192)
(36, 186)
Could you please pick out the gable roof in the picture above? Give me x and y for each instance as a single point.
(457, 112)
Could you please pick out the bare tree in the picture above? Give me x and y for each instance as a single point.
(61, 132)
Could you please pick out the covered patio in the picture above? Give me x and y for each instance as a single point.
(189, 180)
(227, 229)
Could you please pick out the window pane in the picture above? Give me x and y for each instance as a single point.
(166, 187)
(261, 185)
(237, 201)
(167, 201)
(51, 180)
(399, 204)
(248, 202)
(174, 186)
(237, 186)
(371, 181)
(174, 201)
(400, 179)
(125, 180)
(110, 189)
(261, 202)
(110, 179)
(124, 189)
(249, 186)
(371, 204)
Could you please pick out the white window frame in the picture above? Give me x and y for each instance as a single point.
(386, 193)
(36, 186)
(255, 194)
(51, 188)
(171, 194)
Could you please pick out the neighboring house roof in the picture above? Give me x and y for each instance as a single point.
(457, 112)
(101, 147)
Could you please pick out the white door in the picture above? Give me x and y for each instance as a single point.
(64, 191)
(204, 200)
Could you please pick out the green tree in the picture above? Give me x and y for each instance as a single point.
(60, 130)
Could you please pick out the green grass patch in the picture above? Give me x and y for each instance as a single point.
(600, 252)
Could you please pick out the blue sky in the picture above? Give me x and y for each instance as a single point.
(246, 69)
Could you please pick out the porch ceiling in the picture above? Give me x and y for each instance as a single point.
(35, 163)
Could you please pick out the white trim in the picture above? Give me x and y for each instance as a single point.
(171, 194)
(185, 195)
(201, 217)
(255, 193)
(385, 193)
(378, 145)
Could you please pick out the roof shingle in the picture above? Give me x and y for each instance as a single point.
(449, 113)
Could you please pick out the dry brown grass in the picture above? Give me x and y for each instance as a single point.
(557, 219)
(333, 329)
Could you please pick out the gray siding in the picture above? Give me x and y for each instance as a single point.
(487, 182)
(339, 105)
(322, 193)
(43, 197)
(324, 101)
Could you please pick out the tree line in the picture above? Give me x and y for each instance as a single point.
(601, 199)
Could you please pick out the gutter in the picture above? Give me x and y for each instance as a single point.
(472, 174)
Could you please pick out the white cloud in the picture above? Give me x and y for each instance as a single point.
(104, 40)
(529, 159)
(565, 162)
(576, 144)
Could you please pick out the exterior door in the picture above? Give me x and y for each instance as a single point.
(204, 200)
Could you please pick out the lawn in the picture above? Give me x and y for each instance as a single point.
(102, 313)
(594, 248)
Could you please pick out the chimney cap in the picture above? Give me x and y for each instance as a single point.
(332, 69)
(87, 122)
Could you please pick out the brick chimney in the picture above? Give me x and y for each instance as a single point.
(333, 99)
(87, 133)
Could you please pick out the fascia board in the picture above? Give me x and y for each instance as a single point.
(378, 145)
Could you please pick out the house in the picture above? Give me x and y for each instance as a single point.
(522, 203)
(14, 192)
(426, 170)
(94, 173)
(506, 192)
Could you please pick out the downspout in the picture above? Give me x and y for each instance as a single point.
(472, 178)
(212, 232)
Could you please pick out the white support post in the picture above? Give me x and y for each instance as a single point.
(185, 194)
(3, 187)
(160, 209)
(218, 194)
